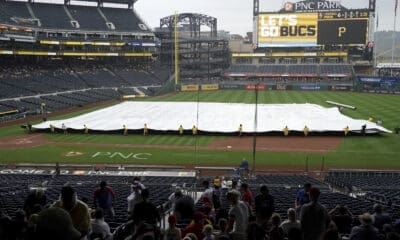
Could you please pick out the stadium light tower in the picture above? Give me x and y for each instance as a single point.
(176, 50)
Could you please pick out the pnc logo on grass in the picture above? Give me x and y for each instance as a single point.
(140, 156)
(73, 154)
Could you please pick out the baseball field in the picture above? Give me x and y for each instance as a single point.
(293, 152)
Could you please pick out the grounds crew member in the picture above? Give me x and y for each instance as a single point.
(64, 128)
(42, 107)
(286, 131)
(145, 130)
(306, 130)
(85, 129)
(52, 128)
(346, 130)
(125, 130)
(240, 130)
(194, 130)
(180, 130)
(371, 119)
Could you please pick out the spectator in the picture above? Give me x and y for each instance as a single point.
(4, 224)
(217, 181)
(55, 223)
(291, 222)
(244, 168)
(222, 226)
(184, 207)
(18, 225)
(135, 196)
(276, 232)
(174, 197)
(302, 197)
(247, 195)
(342, 217)
(196, 227)
(172, 233)
(104, 198)
(208, 192)
(78, 210)
(381, 217)
(99, 228)
(208, 232)
(191, 236)
(365, 231)
(145, 211)
(255, 231)
(35, 198)
(314, 218)
(332, 232)
(238, 216)
(264, 205)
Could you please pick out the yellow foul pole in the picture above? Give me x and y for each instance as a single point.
(176, 47)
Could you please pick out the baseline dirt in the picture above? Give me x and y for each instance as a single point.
(264, 143)
(313, 144)
(23, 141)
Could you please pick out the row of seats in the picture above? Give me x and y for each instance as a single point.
(292, 69)
(13, 198)
(50, 80)
(56, 16)
(383, 189)
(61, 101)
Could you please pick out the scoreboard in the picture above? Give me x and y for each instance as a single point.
(312, 29)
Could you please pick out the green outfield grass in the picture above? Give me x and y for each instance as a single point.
(360, 152)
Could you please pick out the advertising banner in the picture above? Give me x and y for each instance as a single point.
(255, 86)
(189, 88)
(209, 87)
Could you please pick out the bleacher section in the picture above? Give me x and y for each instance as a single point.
(54, 16)
(62, 86)
(123, 19)
(12, 198)
(291, 70)
(379, 187)
(16, 13)
(88, 18)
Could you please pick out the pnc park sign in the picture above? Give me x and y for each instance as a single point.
(111, 155)
(312, 6)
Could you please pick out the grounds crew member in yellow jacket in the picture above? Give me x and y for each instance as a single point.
(180, 130)
(85, 129)
(125, 130)
(286, 131)
(306, 130)
(145, 130)
(240, 130)
(52, 128)
(346, 130)
(194, 130)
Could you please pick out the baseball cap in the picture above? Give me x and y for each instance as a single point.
(56, 223)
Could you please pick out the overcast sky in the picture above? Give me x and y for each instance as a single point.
(235, 16)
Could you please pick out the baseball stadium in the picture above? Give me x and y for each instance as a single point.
(101, 111)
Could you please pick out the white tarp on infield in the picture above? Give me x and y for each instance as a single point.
(214, 117)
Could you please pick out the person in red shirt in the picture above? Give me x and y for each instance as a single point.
(196, 226)
(247, 195)
(104, 198)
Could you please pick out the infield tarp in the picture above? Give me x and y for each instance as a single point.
(214, 117)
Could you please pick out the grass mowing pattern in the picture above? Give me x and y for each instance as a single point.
(361, 152)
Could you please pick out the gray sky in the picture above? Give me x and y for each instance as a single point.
(236, 15)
